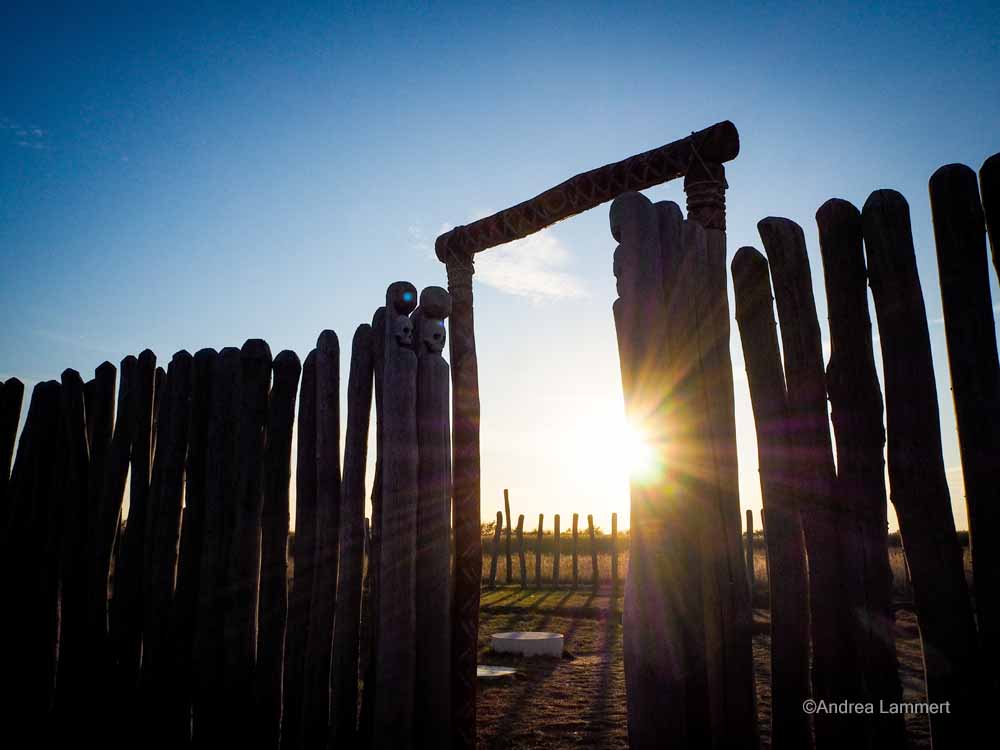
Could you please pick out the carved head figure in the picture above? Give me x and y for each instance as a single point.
(402, 330)
(432, 335)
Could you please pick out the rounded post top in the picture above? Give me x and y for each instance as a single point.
(435, 302)
(401, 297)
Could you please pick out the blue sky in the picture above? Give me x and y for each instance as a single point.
(193, 176)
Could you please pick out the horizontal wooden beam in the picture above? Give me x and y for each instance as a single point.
(716, 144)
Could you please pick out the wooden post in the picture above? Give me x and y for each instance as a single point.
(100, 428)
(347, 624)
(72, 468)
(730, 661)
(162, 533)
(466, 497)
(614, 550)
(919, 488)
(787, 576)
(538, 550)
(749, 552)
(975, 379)
(184, 612)
(11, 398)
(989, 187)
(576, 566)
(396, 663)
(496, 549)
(856, 405)
(832, 590)
(520, 551)
(221, 456)
(273, 607)
(316, 693)
(506, 506)
(303, 558)
(432, 705)
(126, 602)
(593, 552)
(555, 555)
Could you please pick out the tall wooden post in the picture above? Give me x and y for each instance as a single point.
(507, 538)
(919, 488)
(556, 538)
(732, 695)
(975, 379)
(11, 398)
(595, 578)
(856, 406)
(520, 551)
(787, 576)
(989, 187)
(465, 471)
(538, 550)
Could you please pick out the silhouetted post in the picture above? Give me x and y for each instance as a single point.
(396, 662)
(555, 554)
(162, 534)
(576, 566)
(749, 551)
(496, 549)
(11, 398)
(347, 623)
(538, 550)
(184, 611)
(432, 705)
(221, 466)
(975, 379)
(919, 488)
(273, 607)
(126, 602)
(614, 550)
(520, 551)
(989, 186)
(316, 695)
(303, 558)
(159, 382)
(787, 576)
(72, 468)
(506, 507)
(856, 406)
(729, 632)
(593, 551)
(832, 590)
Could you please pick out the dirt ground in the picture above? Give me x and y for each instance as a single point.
(579, 701)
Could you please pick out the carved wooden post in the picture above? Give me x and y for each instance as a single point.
(506, 506)
(221, 456)
(72, 468)
(614, 550)
(856, 404)
(162, 533)
(465, 513)
(975, 379)
(159, 382)
(316, 695)
(303, 558)
(576, 565)
(184, 613)
(749, 552)
(347, 624)
(126, 602)
(919, 489)
(556, 538)
(432, 707)
(496, 549)
(273, 607)
(394, 699)
(989, 186)
(11, 398)
(734, 712)
(832, 590)
(593, 551)
(520, 551)
(538, 550)
(787, 576)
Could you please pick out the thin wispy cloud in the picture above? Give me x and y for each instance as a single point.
(23, 136)
(535, 267)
